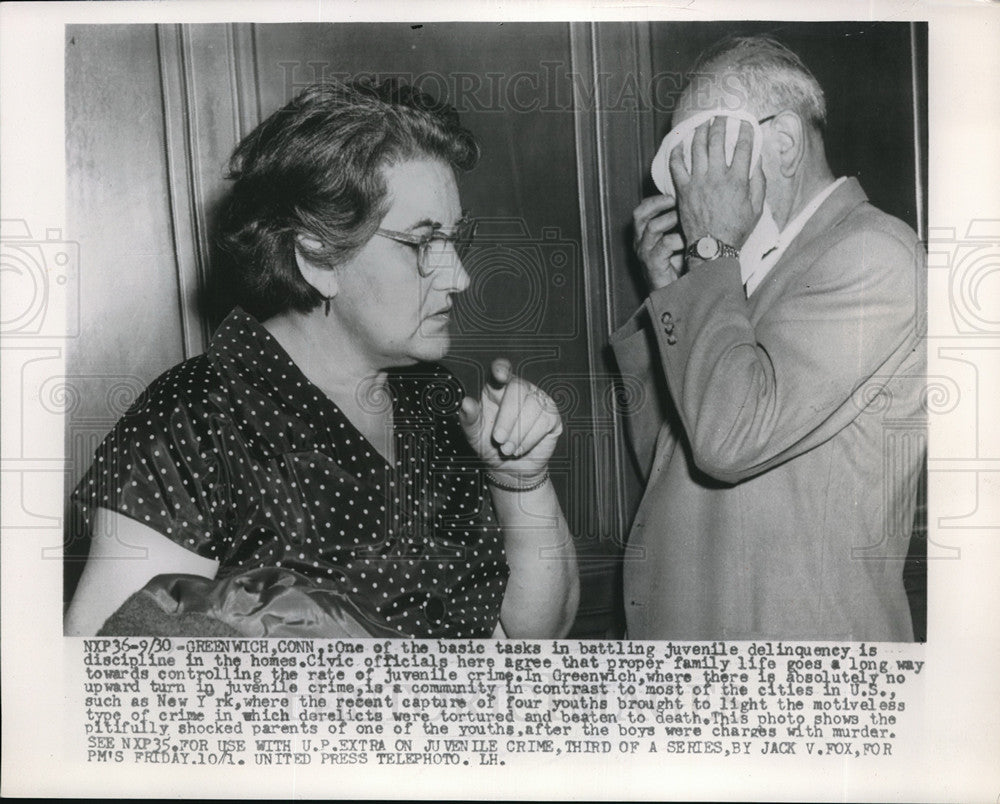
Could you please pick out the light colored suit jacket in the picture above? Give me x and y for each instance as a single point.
(782, 437)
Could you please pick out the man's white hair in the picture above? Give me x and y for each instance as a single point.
(773, 76)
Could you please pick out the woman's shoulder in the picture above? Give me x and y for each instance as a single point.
(193, 390)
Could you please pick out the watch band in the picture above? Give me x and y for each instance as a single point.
(710, 248)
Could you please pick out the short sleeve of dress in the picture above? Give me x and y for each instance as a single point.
(159, 465)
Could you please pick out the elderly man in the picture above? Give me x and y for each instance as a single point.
(780, 351)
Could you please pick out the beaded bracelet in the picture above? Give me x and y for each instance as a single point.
(493, 480)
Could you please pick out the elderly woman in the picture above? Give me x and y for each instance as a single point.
(316, 470)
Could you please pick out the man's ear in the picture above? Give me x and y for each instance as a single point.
(323, 279)
(790, 134)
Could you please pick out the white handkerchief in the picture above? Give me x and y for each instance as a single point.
(684, 133)
(764, 236)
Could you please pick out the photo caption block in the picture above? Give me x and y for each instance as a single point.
(262, 702)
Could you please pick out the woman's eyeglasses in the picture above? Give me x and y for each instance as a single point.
(430, 247)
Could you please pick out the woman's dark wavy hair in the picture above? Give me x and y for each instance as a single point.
(314, 168)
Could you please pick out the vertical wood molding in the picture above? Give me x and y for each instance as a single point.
(590, 177)
(611, 143)
(190, 238)
(209, 85)
(241, 45)
(645, 129)
(918, 67)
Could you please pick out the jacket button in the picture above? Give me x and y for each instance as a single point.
(666, 318)
(668, 328)
(671, 340)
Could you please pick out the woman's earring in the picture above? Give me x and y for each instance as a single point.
(326, 304)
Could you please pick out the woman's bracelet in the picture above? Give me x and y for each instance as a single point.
(493, 480)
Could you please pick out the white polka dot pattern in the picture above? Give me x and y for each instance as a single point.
(237, 456)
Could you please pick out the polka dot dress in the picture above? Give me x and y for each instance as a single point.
(236, 456)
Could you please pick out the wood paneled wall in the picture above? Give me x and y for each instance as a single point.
(153, 112)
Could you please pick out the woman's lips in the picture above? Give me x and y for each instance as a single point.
(442, 315)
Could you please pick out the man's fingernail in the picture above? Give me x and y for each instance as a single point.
(507, 448)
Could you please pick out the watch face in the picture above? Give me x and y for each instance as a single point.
(707, 247)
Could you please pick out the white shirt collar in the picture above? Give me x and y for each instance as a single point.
(757, 271)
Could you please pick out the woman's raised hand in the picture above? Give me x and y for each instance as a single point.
(513, 426)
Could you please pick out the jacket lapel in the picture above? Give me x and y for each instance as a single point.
(831, 212)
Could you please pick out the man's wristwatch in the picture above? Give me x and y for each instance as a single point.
(710, 248)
